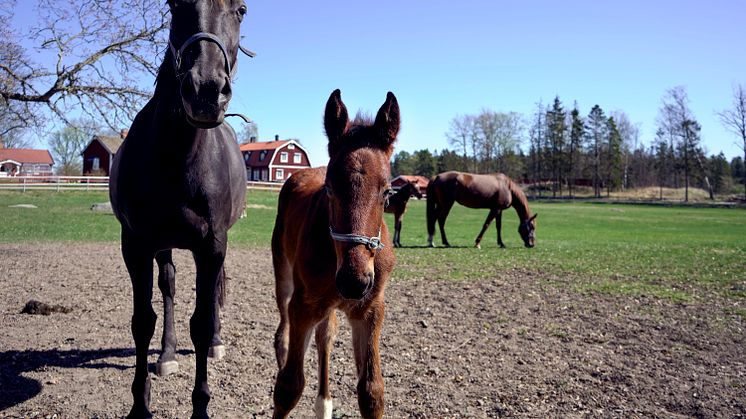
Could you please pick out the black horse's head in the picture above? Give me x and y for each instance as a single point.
(527, 230)
(204, 42)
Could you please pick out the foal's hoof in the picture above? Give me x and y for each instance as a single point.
(165, 368)
(216, 352)
(478, 246)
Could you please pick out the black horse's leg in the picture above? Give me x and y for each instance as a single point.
(209, 261)
(167, 283)
(486, 225)
(442, 215)
(139, 262)
(217, 349)
(499, 226)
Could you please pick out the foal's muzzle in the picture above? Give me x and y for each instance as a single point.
(354, 286)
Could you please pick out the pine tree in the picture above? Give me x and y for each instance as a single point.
(596, 132)
(577, 132)
(556, 133)
(613, 157)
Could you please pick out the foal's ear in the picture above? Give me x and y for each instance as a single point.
(387, 121)
(533, 218)
(335, 119)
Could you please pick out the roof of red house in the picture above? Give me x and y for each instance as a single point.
(110, 143)
(263, 145)
(24, 155)
(419, 180)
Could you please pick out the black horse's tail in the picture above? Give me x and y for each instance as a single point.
(432, 207)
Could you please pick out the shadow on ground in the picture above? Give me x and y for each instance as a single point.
(16, 389)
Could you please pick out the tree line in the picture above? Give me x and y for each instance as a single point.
(557, 150)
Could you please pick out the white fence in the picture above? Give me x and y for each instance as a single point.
(87, 183)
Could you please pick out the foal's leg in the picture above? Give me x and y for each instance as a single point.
(209, 261)
(139, 263)
(290, 379)
(486, 225)
(442, 215)
(326, 332)
(499, 226)
(366, 332)
(167, 283)
(283, 293)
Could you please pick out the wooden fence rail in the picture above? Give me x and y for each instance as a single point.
(88, 183)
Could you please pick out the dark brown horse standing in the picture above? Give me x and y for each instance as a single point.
(495, 191)
(178, 181)
(397, 205)
(331, 250)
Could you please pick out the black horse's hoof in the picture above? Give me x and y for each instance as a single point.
(139, 413)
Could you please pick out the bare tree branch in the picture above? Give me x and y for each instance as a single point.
(103, 51)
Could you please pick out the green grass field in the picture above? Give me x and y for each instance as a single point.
(677, 253)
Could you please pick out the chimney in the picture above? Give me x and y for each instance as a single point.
(277, 137)
(123, 133)
(252, 139)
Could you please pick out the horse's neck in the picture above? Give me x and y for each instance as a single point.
(402, 196)
(519, 202)
(171, 129)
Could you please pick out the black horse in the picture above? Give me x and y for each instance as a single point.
(178, 181)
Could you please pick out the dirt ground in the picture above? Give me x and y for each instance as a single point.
(515, 344)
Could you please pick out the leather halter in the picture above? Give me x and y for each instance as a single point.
(372, 243)
(177, 54)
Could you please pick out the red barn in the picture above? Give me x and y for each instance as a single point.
(273, 161)
(99, 153)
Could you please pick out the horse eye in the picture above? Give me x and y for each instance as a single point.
(242, 10)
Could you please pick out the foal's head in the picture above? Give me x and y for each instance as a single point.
(413, 189)
(357, 187)
(203, 44)
(527, 230)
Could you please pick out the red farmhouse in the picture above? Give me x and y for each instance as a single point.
(273, 161)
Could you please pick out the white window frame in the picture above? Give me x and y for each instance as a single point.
(297, 158)
(279, 174)
(283, 157)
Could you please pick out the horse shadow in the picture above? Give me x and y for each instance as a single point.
(16, 389)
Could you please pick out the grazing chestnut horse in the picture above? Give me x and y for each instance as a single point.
(397, 205)
(331, 250)
(495, 191)
(178, 181)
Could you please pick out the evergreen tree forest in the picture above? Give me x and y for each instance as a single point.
(563, 151)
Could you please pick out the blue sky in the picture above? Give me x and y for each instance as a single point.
(445, 58)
